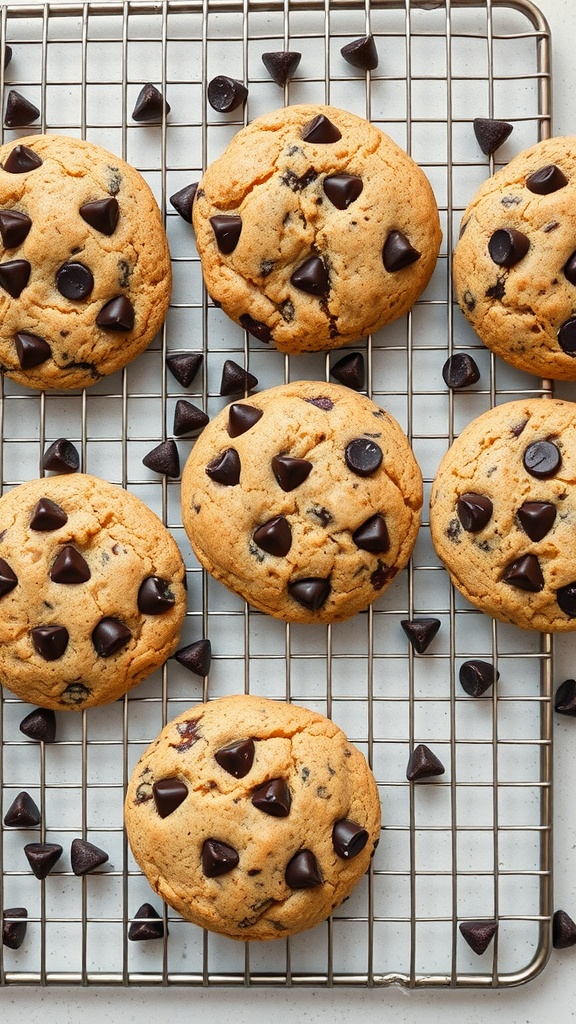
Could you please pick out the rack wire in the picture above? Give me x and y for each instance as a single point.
(474, 844)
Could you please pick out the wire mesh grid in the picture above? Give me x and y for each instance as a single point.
(475, 844)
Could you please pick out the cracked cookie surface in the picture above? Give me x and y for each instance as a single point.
(92, 591)
(251, 817)
(315, 229)
(85, 273)
(304, 499)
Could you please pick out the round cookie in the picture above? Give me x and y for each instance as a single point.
(314, 228)
(85, 273)
(92, 591)
(251, 817)
(514, 266)
(503, 513)
(305, 499)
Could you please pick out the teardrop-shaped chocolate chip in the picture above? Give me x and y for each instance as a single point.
(196, 657)
(155, 596)
(184, 366)
(47, 515)
(361, 53)
(188, 419)
(525, 573)
(14, 228)
(31, 350)
(241, 418)
(101, 214)
(302, 871)
(226, 94)
(19, 110)
(86, 857)
(348, 838)
(565, 698)
(398, 252)
(109, 636)
(256, 328)
(39, 725)
(281, 65)
(225, 468)
(49, 642)
(146, 925)
(311, 593)
(507, 246)
(477, 676)
(273, 797)
(274, 537)
(563, 930)
(14, 931)
(183, 201)
(342, 189)
(567, 336)
(236, 758)
(423, 764)
(312, 277)
(460, 371)
(164, 459)
(420, 632)
(150, 104)
(321, 131)
(235, 379)
(218, 858)
(61, 457)
(14, 276)
(116, 315)
(8, 578)
(363, 456)
(372, 535)
(478, 934)
(546, 180)
(350, 371)
(168, 795)
(566, 598)
(289, 472)
(474, 511)
(70, 567)
(227, 231)
(75, 281)
(42, 857)
(537, 518)
(22, 159)
(491, 134)
(542, 459)
(23, 812)
(7, 55)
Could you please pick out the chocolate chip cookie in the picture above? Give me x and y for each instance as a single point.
(314, 228)
(503, 513)
(85, 273)
(515, 262)
(251, 817)
(305, 499)
(92, 591)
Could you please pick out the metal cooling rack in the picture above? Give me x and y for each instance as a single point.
(476, 843)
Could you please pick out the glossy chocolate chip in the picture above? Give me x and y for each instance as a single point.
(474, 511)
(146, 924)
(423, 764)
(226, 94)
(311, 593)
(398, 252)
(350, 371)
(312, 277)
(567, 336)
(155, 596)
(183, 201)
(342, 189)
(491, 134)
(460, 371)
(196, 657)
(256, 328)
(477, 676)
(289, 472)
(116, 315)
(563, 930)
(109, 636)
(569, 269)
(49, 642)
(39, 725)
(273, 797)
(14, 931)
(281, 65)
(14, 228)
(14, 276)
(302, 871)
(566, 598)
(241, 418)
(363, 456)
(348, 838)
(23, 812)
(420, 632)
(546, 180)
(8, 578)
(274, 537)
(361, 53)
(70, 567)
(507, 246)
(150, 104)
(184, 366)
(524, 573)
(7, 55)
(236, 758)
(168, 795)
(542, 459)
(19, 110)
(225, 468)
(22, 159)
(478, 934)
(372, 535)
(188, 419)
(61, 457)
(227, 230)
(85, 857)
(537, 518)
(235, 379)
(74, 281)
(101, 214)
(164, 459)
(321, 130)
(565, 698)
(47, 515)
(42, 857)
(218, 858)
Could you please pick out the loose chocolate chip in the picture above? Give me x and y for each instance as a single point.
(184, 366)
(61, 457)
(241, 418)
(164, 459)
(235, 379)
(150, 104)
(155, 596)
(116, 315)
(507, 246)
(420, 632)
(42, 857)
(70, 567)
(478, 934)
(196, 657)
(273, 797)
(183, 201)
(101, 214)
(8, 578)
(312, 277)
(542, 459)
(460, 371)
(281, 65)
(372, 535)
(361, 53)
(310, 593)
(14, 276)
(22, 159)
(147, 924)
(570, 269)
(49, 642)
(14, 931)
(321, 130)
(566, 598)
(289, 472)
(225, 468)
(188, 418)
(7, 55)
(565, 698)
(274, 537)
(19, 110)
(39, 725)
(227, 230)
(31, 350)
(168, 795)
(218, 858)
(302, 871)
(563, 930)
(423, 764)
(477, 676)
(398, 252)
(537, 518)
(14, 228)
(546, 180)
(524, 573)
(350, 371)
(342, 189)
(236, 758)
(226, 94)
(23, 812)
(256, 328)
(363, 456)
(491, 134)
(74, 281)
(47, 515)
(567, 336)
(85, 857)
(474, 511)
(348, 838)
(109, 636)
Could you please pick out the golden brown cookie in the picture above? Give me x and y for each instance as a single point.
(251, 817)
(314, 228)
(85, 274)
(92, 591)
(305, 499)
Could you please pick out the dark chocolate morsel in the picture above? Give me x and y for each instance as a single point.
(363, 456)
(525, 573)
(7, 55)
(348, 838)
(565, 698)
(569, 268)
(563, 930)
(19, 110)
(14, 228)
(321, 403)
(477, 676)
(155, 596)
(109, 636)
(420, 632)
(116, 315)
(321, 130)
(474, 511)
(537, 518)
(47, 515)
(75, 694)
(150, 104)
(398, 252)
(460, 371)
(227, 230)
(542, 459)
(236, 758)
(8, 578)
(350, 371)
(39, 725)
(225, 468)
(49, 642)
(256, 328)
(196, 657)
(507, 246)
(289, 472)
(14, 276)
(478, 934)
(168, 795)
(275, 536)
(241, 418)
(42, 857)
(361, 53)
(23, 812)
(226, 94)
(31, 350)
(184, 366)
(546, 180)
(183, 201)
(22, 159)
(273, 797)
(372, 535)
(342, 189)
(218, 858)
(101, 214)
(61, 457)
(188, 418)
(164, 459)
(236, 379)
(302, 871)
(74, 281)
(14, 931)
(491, 134)
(70, 567)
(423, 764)
(281, 65)
(567, 336)
(312, 277)
(85, 857)
(146, 924)
(566, 598)
(310, 593)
